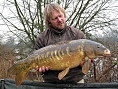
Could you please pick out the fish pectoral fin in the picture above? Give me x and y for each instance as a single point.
(63, 73)
(85, 67)
(20, 77)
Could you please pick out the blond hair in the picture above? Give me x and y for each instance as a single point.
(48, 12)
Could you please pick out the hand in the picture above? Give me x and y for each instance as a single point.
(82, 63)
(42, 69)
(90, 61)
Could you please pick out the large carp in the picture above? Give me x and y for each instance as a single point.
(60, 56)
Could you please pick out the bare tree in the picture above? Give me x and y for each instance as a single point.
(87, 15)
(26, 22)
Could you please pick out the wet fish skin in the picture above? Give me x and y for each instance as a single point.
(60, 56)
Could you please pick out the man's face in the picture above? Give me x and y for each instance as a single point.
(57, 20)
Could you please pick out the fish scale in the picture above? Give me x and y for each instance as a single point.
(60, 56)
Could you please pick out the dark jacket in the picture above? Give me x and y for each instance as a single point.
(51, 36)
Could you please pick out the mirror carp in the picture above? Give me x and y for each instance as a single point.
(60, 56)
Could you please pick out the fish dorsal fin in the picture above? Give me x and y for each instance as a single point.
(85, 67)
(63, 73)
(61, 42)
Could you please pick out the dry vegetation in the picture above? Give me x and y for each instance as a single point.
(102, 69)
(6, 60)
(105, 69)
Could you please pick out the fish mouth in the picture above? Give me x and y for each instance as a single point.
(107, 52)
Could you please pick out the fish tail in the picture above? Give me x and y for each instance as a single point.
(20, 72)
(20, 77)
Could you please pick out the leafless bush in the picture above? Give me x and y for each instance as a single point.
(105, 69)
(6, 60)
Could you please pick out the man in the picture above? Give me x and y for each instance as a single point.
(57, 30)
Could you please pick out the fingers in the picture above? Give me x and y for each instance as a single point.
(42, 69)
(82, 63)
(47, 68)
(36, 68)
(92, 60)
